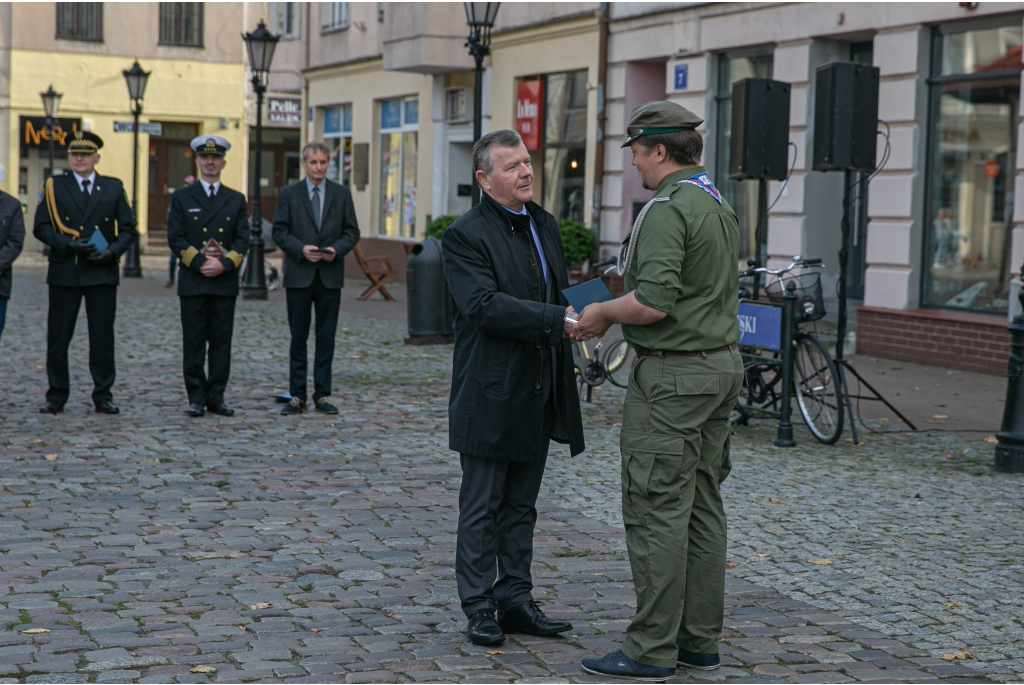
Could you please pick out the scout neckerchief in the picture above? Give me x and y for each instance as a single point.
(700, 180)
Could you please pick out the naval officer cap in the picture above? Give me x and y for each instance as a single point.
(84, 142)
(210, 145)
(660, 116)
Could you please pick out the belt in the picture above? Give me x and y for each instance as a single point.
(644, 352)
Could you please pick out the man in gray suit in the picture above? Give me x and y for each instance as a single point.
(315, 226)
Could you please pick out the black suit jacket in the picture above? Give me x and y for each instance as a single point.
(503, 324)
(106, 210)
(294, 228)
(192, 221)
(12, 238)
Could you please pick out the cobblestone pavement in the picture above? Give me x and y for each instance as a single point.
(153, 547)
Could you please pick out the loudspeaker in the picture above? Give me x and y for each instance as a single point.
(845, 117)
(760, 129)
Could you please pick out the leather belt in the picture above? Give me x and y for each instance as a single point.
(644, 352)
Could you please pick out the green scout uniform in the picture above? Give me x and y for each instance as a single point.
(675, 426)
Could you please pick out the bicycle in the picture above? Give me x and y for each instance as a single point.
(816, 383)
(272, 275)
(593, 367)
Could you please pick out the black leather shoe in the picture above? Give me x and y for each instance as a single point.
(295, 406)
(221, 409)
(528, 618)
(484, 630)
(195, 410)
(51, 408)
(107, 407)
(325, 407)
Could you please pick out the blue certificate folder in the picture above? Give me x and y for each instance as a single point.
(581, 295)
(98, 240)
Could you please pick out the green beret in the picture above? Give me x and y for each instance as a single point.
(660, 116)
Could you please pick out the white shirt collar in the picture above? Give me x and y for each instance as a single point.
(91, 178)
(206, 186)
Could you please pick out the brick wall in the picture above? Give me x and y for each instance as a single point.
(958, 340)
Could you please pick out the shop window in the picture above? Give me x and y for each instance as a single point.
(181, 24)
(564, 147)
(80, 21)
(975, 88)
(284, 19)
(333, 16)
(398, 160)
(338, 137)
(742, 195)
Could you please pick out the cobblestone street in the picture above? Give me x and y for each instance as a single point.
(156, 548)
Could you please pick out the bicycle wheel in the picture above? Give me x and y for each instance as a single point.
(817, 389)
(616, 368)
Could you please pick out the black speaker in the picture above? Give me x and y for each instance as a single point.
(845, 117)
(760, 129)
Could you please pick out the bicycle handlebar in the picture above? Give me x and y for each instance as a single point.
(797, 261)
(604, 262)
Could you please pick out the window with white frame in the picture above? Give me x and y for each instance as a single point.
(399, 144)
(338, 137)
(333, 16)
(284, 19)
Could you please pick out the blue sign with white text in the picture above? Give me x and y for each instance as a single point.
(760, 325)
(682, 72)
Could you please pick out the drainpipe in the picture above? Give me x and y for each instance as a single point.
(597, 198)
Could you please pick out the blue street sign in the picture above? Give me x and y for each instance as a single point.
(682, 71)
(760, 325)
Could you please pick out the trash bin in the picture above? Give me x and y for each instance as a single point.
(430, 306)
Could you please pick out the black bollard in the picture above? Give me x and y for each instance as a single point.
(784, 437)
(1010, 450)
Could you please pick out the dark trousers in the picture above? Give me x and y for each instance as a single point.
(206, 321)
(100, 311)
(301, 302)
(3, 313)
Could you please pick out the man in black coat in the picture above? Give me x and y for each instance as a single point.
(88, 222)
(513, 389)
(208, 228)
(315, 226)
(12, 238)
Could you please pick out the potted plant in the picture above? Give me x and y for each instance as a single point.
(578, 247)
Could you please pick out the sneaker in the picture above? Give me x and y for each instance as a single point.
(618, 665)
(295, 406)
(322, 405)
(702, 662)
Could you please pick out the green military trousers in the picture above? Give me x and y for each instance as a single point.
(675, 453)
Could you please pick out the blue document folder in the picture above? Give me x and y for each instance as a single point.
(581, 295)
(98, 240)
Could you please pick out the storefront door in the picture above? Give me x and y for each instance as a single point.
(170, 162)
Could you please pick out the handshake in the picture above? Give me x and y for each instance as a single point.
(84, 248)
(592, 322)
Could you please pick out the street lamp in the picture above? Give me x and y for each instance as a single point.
(51, 105)
(480, 17)
(260, 44)
(1010, 447)
(136, 79)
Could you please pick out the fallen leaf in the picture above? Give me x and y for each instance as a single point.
(243, 628)
(291, 455)
(939, 416)
(917, 388)
(494, 652)
(50, 457)
(896, 368)
(883, 419)
(732, 564)
(37, 441)
(40, 366)
(991, 440)
(938, 405)
(315, 630)
(36, 631)
(948, 455)
(957, 656)
(952, 373)
(764, 554)
(820, 562)
(954, 604)
(203, 669)
(774, 500)
(260, 605)
(909, 435)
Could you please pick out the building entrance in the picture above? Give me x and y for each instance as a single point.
(170, 161)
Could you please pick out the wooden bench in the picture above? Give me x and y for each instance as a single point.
(378, 271)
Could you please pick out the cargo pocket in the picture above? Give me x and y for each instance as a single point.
(698, 384)
(652, 473)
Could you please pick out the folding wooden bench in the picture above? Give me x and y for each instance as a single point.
(377, 269)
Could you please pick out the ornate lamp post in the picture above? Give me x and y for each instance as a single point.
(51, 105)
(260, 44)
(1010, 450)
(480, 17)
(136, 79)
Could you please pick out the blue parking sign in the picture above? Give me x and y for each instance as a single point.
(760, 325)
(682, 72)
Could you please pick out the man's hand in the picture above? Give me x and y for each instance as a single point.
(593, 322)
(211, 268)
(312, 253)
(101, 257)
(330, 255)
(568, 327)
(81, 247)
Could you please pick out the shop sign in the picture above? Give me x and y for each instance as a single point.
(992, 168)
(529, 95)
(35, 134)
(284, 112)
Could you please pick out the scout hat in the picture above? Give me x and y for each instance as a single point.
(660, 116)
(210, 145)
(85, 142)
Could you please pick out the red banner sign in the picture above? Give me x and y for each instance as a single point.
(529, 96)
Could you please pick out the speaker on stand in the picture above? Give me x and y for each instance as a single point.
(845, 135)
(759, 145)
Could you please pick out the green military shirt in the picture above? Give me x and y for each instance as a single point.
(685, 265)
